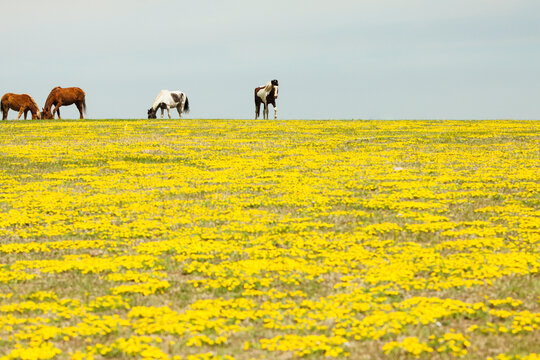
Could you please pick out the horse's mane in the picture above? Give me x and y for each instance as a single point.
(48, 102)
(34, 103)
(268, 87)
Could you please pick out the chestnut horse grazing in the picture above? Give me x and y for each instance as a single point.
(63, 97)
(22, 103)
(266, 95)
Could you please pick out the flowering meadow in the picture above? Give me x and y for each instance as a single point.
(234, 239)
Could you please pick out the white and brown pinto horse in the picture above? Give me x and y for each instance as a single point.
(169, 99)
(22, 103)
(266, 95)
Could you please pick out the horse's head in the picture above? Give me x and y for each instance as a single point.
(46, 114)
(36, 116)
(152, 113)
(275, 85)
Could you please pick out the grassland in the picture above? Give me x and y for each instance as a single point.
(230, 239)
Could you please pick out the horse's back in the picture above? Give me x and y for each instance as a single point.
(9, 96)
(67, 95)
(163, 94)
(162, 97)
(79, 90)
(16, 98)
(5, 97)
(171, 98)
(75, 92)
(18, 101)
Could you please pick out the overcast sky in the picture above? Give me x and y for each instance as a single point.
(356, 59)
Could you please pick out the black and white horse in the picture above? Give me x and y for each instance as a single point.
(169, 99)
(266, 95)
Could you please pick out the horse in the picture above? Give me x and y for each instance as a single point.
(167, 99)
(267, 95)
(63, 97)
(22, 103)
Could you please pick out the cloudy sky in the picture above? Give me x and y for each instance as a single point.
(355, 59)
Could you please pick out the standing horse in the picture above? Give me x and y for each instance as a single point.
(63, 97)
(22, 103)
(166, 100)
(267, 95)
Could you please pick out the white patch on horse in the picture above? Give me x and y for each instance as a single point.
(262, 94)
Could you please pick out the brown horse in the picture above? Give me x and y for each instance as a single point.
(63, 97)
(22, 103)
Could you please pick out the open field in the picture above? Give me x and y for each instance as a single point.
(233, 239)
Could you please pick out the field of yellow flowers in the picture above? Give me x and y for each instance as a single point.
(233, 239)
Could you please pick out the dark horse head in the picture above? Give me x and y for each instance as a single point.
(152, 112)
(275, 85)
(46, 113)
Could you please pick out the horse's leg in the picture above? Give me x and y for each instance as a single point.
(265, 111)
(179, 108)
(26, 113)
(56, 109)
(5, 109)
(275, 113)
(162, 113)
(80, 107)
(20, 113)
(257, 109)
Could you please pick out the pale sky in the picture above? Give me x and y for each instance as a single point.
(374, 59)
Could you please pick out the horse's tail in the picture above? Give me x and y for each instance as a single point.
(186, 105)
(1, 106)
(84, 105)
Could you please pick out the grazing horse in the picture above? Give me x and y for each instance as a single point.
(267, 95)
(63, 97)
(22, 103)
(166, 100)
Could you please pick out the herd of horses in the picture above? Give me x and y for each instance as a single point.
(23, 103)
